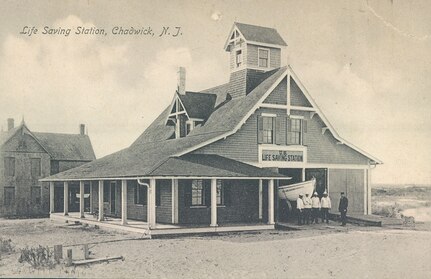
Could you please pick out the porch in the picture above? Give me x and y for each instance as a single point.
(142, 227)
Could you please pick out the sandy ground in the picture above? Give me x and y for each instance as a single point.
(320, 251)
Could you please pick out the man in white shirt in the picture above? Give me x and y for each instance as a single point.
(326, 206)
(300, 208)
(315, 208)
(307, 209)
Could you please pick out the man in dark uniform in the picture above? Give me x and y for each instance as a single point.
(342, 207)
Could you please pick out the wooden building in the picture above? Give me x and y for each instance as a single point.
(28, 156)
(214, 157)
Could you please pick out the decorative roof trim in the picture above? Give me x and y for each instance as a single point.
(233, 29)
(325, 120)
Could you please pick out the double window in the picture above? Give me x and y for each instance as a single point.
(201, 192)
(273, 129)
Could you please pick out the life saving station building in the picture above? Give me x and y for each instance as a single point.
(212, 159)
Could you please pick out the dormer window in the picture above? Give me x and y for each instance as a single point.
(238, 58)
(263, 57)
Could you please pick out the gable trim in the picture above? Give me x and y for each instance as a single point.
(27, 130)
(325, 120)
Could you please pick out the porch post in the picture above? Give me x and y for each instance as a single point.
(81, 199)
(174, 201)
(51, 197)
(260, 199)
(101, 200)
(213, 202)
(91, 198)
(123, 202)
(66, 198)
(152, 203)
(271, 202)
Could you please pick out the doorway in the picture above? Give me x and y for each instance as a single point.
(321, 176)
(112, 197)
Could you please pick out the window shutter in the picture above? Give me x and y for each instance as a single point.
(304, 132)
(259, 129)
(278, 130)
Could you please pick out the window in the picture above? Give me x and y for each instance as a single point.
(35, 195)
(198, 195)
(268, 131)
(140, 194)
(9, 195)
(9, 166)
(263, 57)
(220, 193)
(35, 167)
(106, 192)
(295, 130)
(238, 58)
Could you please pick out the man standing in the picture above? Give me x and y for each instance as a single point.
(326, 206)
(342, 207)
(315, 207)
(307, 209)
(300, 208)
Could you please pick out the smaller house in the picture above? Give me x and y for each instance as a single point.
(26, 157)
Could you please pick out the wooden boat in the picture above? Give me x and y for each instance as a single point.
(291, 192)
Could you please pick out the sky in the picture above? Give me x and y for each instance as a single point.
(367, 63)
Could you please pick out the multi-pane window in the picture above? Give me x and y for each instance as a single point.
(35, 167)
(263, 57)
(9, 195)
(9, 166)
(35, 194)
(268, 130)
(238, 58)
(294, 131)
(140, 194)
(220, 193)
(198, 192)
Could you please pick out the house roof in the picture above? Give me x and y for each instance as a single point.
(72, 147)
(198, 105)
(67, 146)
(260, 34)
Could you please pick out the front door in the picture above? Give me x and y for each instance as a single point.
(112, 201)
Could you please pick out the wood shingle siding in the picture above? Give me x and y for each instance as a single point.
(297, 98)
(279, 95)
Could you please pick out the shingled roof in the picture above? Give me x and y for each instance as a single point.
(198, 105)
(73, 147)
(153, 153)
(260, 34)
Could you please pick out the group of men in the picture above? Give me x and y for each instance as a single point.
(309, 209)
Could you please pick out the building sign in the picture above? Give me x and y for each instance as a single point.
(282, 156)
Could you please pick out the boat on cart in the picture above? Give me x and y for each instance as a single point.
(292, 191)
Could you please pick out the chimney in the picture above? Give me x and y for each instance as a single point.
(181, 80)
(10, 124)
(82, 129)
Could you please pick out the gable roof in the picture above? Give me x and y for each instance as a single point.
(198, 105)
(257, 34)
(73, 147)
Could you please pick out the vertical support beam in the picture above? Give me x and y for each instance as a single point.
(81, 199)
(66, 198)
(123, 202)
(174, 201)
(152, 204)
(51, 197)
(369, 190)
(303, 174)
(91, 198)
(101, 213)
(288, 92)
(365, 191)
(260, 199)
(213, 203)
(271, 202)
